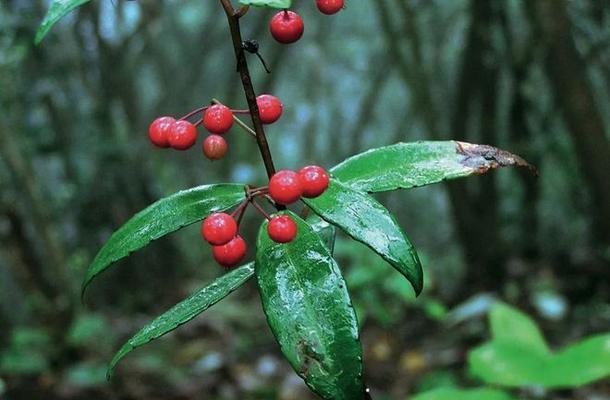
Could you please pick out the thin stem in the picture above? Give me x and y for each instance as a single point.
(244, 126)
(240, 208)
(259, 191)
(196, 111)
(244, 73)
(238, 121)
(260, 209)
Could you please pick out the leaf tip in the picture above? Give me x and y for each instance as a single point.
(482, 158)
(83, 290)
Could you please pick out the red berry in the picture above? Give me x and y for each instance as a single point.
(282, 229)
(218, 119)
(231, 253)
(286, 27)
(329, 7)
(285, 187)
(219, 229)
(269, 108)
(159, 129)
(214, 147)
(182, 135)
(314, 179)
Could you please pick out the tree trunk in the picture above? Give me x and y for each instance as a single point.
(568, 74)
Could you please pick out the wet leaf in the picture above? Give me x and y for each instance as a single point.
(409, 165)
(364, 219)
(267, 3)
(186, 310)
(165, 216)
(326, 231)
(310, 313)
(57, 10)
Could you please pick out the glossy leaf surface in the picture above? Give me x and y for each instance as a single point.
(57, 10)
(165, 216)
(326, 231)
(366, 220)
(186, 310)
(310, 313)
(409, 165)
(267, 3)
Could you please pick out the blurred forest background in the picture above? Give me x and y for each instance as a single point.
(532, 77)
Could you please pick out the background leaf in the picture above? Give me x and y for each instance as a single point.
(409, 165)
(518, 355)
(365, 220)
(186, 310)
(463, 394)
(267, 3)
(584, 362)
(310, 313)
(511, 325)
(165, 216)
(509, 364)
(57, 10)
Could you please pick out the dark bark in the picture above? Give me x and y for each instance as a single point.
(572, 89)
(475, 203)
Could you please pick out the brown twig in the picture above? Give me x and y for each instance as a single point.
(244, 73)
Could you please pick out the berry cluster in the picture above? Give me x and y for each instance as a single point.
(285, 187)
(287, 26)
(217, 119)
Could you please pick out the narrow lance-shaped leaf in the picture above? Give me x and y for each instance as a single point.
(364, 219)
(310, 313)
(165, 216)
(57, 10)
(409, 165)
(186, 310)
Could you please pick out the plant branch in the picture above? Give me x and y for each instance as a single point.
(244, 73)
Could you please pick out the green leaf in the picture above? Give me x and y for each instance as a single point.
(58, 9)
(186, 310)
(267, 3)
(364, 219)
(509, 324)
(463, 394)
(326, 231)
(165, 216)
(518, 355)
(509, 364)
(409, 165)
(310, 313)
(584, 363)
